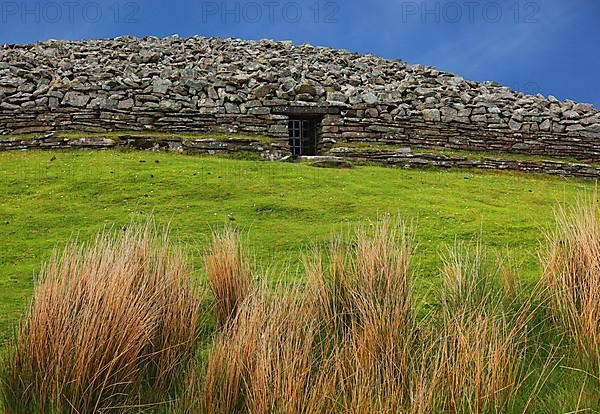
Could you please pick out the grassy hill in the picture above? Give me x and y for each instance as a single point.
(48, 198)
(282, 210)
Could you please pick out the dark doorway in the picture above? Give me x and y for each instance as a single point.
(303, 136)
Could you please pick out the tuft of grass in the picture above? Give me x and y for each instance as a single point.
(571, 271)
(111, 327)
(483, 349)
(264, 361)
(302, 350)
(351, 340)
(375, 372)
(228, 272)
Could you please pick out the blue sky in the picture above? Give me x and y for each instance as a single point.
(550, 46)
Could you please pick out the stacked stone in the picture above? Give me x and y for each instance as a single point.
(268, 151)
(271, 151)
(405, 158)
(235, 86)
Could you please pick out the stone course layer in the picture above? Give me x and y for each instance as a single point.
(337, 157)
(232, 86)
(267, 151)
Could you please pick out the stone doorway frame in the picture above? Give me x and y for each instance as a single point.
(307, 127)
(303, 136)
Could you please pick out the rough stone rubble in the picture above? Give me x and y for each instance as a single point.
(252, 87)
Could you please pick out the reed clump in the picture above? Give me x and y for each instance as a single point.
(111, 327)
(114, 325)
(571, 272)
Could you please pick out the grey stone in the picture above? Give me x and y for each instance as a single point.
(196, 84)
(594, 119)
(305, 97)
(149, 56)
(336, 97)
(372, 112)
(262, 91)
(329, 162)
(464, 113)
(425, 92)
(431, 115)
(75, 99)
(161, 86)
(231, 108)
(126, 104)
(449, 114)
(259, 111)
(571, 114)
(546, 125)
(514, 125)
(306, 87)
(355, 99)
(584, 108)
(575, 127)
(103, 103)
(287, 84)
(593, 128)
(169, 105)
(369, 98)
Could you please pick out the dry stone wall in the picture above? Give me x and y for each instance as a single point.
(405, 158)
(253, 87)
(338, 157)
(265, 149)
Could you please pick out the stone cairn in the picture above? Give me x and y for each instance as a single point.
(232, 86)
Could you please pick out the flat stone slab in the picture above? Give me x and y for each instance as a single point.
(327, 162)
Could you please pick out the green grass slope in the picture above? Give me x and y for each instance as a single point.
(47, 198)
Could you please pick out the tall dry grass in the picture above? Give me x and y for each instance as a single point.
(301, 350)
(263, 362)
(571, 271)
(228, 272)
(482, 353)
(110, 328)
(353, 340)
(374, 360)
